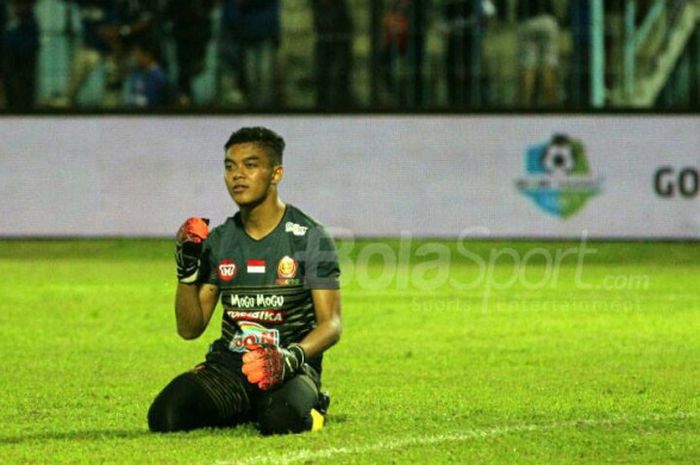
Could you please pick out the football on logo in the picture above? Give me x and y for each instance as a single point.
(557, 176)
(287, 267)
(226, 270)
(558, 157)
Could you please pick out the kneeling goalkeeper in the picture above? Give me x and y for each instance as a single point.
(275, 271)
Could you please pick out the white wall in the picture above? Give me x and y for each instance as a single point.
(371, 175)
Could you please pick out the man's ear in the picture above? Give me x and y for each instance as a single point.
(277, 174)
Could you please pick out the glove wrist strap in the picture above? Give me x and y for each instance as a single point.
(191, 279)
(298, 354)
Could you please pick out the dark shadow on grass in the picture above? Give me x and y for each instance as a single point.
(99, 435)
(87, 435)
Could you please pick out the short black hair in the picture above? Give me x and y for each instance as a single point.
(268, 138)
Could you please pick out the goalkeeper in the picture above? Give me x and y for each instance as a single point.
(275, 271)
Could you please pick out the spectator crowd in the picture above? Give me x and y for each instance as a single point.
(127, 41)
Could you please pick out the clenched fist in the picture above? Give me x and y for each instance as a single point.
(189, 242)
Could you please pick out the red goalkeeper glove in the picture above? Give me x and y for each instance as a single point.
(269, 366)
(189, 243)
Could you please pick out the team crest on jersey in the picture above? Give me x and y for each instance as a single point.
(253, 334)
(287, 267)
(226, 270)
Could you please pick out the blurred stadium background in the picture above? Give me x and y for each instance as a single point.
(367, 55)
(518, 234)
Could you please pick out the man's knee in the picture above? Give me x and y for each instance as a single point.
(288, 409)
(281, 417)
(165, 416)
(181, 406)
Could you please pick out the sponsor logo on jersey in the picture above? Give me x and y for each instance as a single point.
(226, 270)
(256, 301)
(296, 229)
(250, 333)
(266, 316)
(256, 266)
(288, 282)
(558, 177)
(287, 267)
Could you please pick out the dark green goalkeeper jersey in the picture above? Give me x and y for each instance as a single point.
(265, 285)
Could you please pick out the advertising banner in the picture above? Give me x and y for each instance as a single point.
(547, 176)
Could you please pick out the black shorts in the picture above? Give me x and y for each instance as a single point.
(216, 393)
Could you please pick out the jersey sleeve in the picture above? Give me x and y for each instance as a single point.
(321, 264)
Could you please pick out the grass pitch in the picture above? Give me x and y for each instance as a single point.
(482, 352)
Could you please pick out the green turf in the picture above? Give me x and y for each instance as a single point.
(441, 360)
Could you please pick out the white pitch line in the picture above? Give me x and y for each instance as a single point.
(309, 454)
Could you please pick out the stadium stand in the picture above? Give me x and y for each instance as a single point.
(446, 55)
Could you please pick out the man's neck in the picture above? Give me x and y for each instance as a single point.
(261, 219)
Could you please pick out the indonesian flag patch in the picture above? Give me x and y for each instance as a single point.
(256, 266)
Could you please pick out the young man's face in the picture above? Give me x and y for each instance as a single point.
(250, 174)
